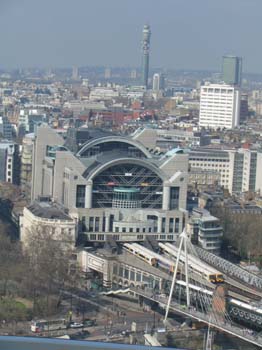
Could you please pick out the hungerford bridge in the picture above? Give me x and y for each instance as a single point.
(197, 302)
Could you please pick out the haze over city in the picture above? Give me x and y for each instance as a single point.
(186, 34)
(130, 174)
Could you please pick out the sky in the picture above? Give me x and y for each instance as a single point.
(186, 34)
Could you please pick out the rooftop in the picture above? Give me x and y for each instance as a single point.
(48, 210)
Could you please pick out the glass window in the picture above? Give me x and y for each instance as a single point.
(132, 275)
(138, 276)
(91, 224)
(177, 225)
(80, 196)
(96, 224)
(174, 197)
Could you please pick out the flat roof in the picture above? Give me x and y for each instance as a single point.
(48, 210)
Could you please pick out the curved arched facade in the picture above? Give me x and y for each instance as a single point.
(127, 185)
(108, 144)
(114, 187)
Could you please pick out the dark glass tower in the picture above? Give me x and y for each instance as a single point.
(145, 54)
(232, 70)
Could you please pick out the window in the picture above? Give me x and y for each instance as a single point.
(96, 224)
(144, 229)
(104, 224)
(131, 229)
(80, 196)
(137, 229)
(132, 275)
(163, 228)
(123, 229)
(177, 225)
(171, 225)
(140, 237)
(83, 221)
(138, 276)
(91, 224)
(116, 229)
(174, 197)
(100, 237)
(93, 237)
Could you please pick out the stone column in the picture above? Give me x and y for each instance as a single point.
(107, 224)
(159, 225)
(88, 195)
(166, 197)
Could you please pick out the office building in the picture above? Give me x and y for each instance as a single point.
(158, 82)
(44, 214)
(232, 70)
(29, 119)
(6, 131)
(239, 169)
(145, 54)
(75, 75)
(219, 106)
(205, 230)
(114, 186)
(161, 140)
(26, 164)
(9, 162)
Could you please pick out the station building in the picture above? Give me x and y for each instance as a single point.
(113, 185)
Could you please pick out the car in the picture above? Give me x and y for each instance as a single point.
(76, 325)
(80, 335)
(89, 323)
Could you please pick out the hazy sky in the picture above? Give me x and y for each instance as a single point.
(190, 34)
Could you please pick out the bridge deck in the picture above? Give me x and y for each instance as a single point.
(225, 327)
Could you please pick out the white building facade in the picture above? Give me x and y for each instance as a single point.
(239, 169)
(219, 106)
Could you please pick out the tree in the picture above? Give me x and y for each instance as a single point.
(50, 266)
(11, 262)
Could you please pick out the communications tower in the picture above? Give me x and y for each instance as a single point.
(145, 54)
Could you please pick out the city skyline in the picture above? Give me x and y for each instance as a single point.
(185, 35)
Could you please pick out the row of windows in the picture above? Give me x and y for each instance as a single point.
(211, 165)
(137, 229)
(92, 224)
(208, 159)
(218, 90)
(101, 237)
(132, 275)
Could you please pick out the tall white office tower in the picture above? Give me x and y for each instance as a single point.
(219, 106)
(156, 82)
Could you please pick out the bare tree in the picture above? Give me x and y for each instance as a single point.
(50, 264)
(11, 261)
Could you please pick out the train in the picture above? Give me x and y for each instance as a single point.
(246, 313)
(146, 256)
(197, 266)
(149, 256)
